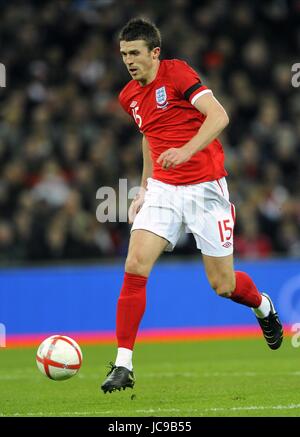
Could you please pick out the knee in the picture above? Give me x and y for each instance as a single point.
(137, 265)
(224, 285)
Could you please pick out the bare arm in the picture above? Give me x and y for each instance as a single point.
(138, 201)
(147, 162)
(216, 120)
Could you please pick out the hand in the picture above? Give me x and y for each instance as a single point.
(135, 206)
(173, 157)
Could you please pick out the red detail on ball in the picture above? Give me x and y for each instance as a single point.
(46, 361)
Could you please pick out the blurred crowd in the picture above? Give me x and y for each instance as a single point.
(63, 134)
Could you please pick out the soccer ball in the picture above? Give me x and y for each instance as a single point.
(59, 357)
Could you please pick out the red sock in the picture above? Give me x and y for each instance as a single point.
(245, 291)
(130, 309)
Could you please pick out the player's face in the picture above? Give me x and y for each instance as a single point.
(138, 59)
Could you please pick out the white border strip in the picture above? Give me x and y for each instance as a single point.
(199, 95)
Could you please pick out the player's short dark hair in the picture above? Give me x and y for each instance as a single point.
(141, 28)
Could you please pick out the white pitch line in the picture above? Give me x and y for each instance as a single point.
(251, 407)
(258, 407)
(162, 410)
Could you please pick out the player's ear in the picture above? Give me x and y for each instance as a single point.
(156, 53)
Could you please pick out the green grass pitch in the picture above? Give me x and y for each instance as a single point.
(205, 378)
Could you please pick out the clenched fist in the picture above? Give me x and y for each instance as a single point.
(173, 157)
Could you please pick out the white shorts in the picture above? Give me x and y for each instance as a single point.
(203, 209)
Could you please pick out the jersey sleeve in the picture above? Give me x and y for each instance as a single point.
(187, 82)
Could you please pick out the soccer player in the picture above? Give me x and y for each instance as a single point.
(183, 186)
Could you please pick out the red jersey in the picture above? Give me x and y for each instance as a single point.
(164, 113)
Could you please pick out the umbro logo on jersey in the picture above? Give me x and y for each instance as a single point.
(161, 98)
(227, 245)
(133, 104)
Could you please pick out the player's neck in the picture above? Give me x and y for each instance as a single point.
(152, 74)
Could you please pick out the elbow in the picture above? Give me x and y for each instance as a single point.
(227, 119)
(220, 117)
(224, 119)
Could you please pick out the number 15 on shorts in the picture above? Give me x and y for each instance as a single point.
(225, 230)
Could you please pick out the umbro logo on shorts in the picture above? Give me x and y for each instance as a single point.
(228, 244)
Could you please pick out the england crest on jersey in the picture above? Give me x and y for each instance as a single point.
(161, 97)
